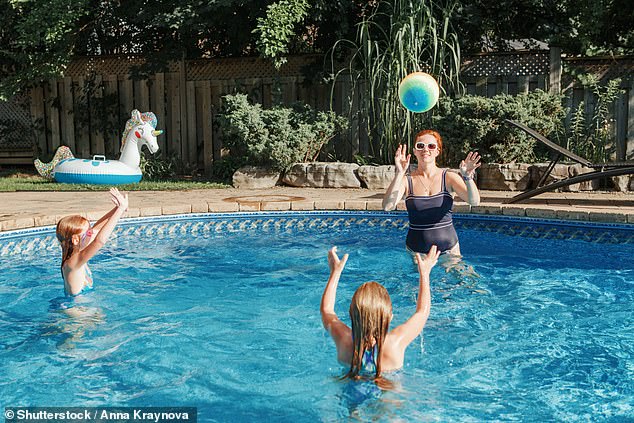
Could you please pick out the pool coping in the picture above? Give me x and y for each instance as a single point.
(44, 209)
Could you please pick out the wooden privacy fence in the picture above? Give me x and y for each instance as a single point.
(87, 108)
(88, 113)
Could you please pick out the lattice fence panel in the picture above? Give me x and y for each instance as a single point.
(246, 68)
(516, 64)
(108, 65)
(16, 130)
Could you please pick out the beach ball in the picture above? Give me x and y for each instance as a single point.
(418, 92)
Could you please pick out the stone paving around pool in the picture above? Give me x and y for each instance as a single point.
(31, 209)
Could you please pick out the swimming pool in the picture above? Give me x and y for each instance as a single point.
(221, 312)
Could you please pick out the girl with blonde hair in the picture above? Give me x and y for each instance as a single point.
(80, 242)
(369, 347)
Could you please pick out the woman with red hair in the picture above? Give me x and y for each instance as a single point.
(429, 193)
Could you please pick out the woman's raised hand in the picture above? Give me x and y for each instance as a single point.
(401, 160)
(470, 164)
(335, 264)
(428, 261)
(120, 200)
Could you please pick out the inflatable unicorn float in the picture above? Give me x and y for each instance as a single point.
(140, 130)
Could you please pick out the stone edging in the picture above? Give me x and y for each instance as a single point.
(308, 205)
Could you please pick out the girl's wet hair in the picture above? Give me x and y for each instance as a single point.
(370, 314)
(66, 228)
(433, 134)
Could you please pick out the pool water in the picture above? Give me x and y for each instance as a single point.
(228, 321)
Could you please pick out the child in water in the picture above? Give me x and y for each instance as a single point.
(369, 346)
(80, 242)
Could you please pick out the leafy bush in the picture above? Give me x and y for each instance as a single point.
(276, 137)
(158, 168)
(477, 123)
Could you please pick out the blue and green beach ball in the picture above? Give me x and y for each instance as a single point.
(418, 92)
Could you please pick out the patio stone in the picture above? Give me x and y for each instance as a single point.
(374, 205)
(275, 205)
(200, 207)
(355, 205)
(486, 209)
(329, 205)
(249, 206)
(45, 220)
(151, 211)
(461, 208)
(223, 206)
(607, 217)
(572, 215)
(541, 213)
(20, 223)
(303, 205)
(514, 211)
(133, 212)
(177, 209)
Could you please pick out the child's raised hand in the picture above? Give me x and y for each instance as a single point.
(335, 264)
(428, 261)
(120, 200)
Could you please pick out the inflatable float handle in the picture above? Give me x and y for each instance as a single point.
(99, 158)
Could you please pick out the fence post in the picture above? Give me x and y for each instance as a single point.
(182, 87)
(629, 148)
(554, 82)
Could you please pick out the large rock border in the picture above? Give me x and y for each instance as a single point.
(491, 176)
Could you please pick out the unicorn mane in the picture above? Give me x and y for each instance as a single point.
(131, 123)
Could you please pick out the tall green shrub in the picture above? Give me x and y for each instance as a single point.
(589, 132)
(396, 38)
(477, 123)
(276, 137)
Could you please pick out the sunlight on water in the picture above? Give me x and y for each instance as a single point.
(229, 322)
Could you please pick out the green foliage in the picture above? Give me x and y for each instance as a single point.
(36, 40)
(396, 38)
(19, 179)
(477, 123)
(223, 169)
(276, 137)
(155, 167)
(276, 30)
(590, 130)
(578, 27)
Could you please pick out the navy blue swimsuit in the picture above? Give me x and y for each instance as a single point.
(430, 221)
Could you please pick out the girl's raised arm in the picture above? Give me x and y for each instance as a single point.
(121, 205)
(337, 329)
(409, 330)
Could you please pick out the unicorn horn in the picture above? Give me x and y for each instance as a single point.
(157, 133)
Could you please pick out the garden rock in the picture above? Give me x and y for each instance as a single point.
(504, 177)
(559, 172)
(579, 169)
(623, 183)
(376, 177)
(253, 177)
(323, 175)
